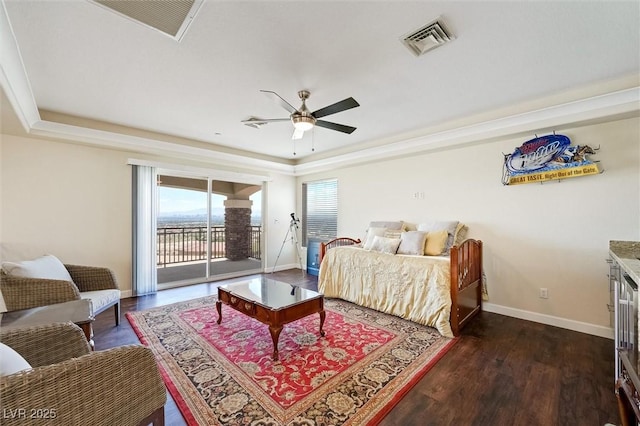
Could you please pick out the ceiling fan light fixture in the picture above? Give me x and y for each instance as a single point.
(303, 122)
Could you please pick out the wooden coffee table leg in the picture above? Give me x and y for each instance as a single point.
(322, 316)
(275, 335)
(219, 309)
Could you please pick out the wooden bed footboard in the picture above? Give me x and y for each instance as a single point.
(336, 242)
(466, 283)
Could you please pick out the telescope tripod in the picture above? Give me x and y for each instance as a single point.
(291, 235)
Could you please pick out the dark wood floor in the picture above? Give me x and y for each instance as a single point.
(502, 371)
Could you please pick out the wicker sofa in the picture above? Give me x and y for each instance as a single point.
(70, 385)
(89, 282)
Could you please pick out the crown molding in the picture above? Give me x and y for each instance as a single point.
(153, 146)
(13, 77)
(622, 103)
(15, 83)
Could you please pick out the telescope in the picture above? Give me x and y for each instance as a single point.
(294, 221)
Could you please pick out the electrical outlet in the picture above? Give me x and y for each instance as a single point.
(544, 293)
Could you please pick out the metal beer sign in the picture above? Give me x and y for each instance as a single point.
(546, 158)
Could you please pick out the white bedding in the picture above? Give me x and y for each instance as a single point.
(416, 288)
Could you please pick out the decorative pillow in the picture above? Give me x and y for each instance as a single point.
(412, 242)
(11, 361)
(449, 226)
(387, 224)
(47, 267)
(393, 233)
(436, 242)
(385, 245)
(371, 234)
(461, 234)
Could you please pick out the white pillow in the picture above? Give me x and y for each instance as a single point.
(412, 242)
(47, 267)
(371, 234)
(11, 361)
(385, 245)
(393, 233)
(396, 225)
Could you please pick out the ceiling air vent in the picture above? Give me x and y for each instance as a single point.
(427, 37)
(171, 17)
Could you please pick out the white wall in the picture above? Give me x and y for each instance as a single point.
(281, 202)
(553, 235)
(74, 201)
(68, 200)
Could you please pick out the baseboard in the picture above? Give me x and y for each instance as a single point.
(282, 267)
(125, 294)
(582, 327)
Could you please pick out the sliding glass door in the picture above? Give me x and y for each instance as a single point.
(206, 229)
(182, 229)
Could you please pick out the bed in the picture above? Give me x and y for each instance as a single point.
(444, 292)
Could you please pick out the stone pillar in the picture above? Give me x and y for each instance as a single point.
(237, 223)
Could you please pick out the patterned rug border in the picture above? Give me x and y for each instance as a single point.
(396, 389)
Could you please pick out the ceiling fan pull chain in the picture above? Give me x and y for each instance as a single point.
(313, 140)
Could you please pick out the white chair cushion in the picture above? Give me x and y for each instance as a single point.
(101, 298)
(3, 307)
(46, 267)
(11, 361)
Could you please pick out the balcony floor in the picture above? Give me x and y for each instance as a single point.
(195, 270)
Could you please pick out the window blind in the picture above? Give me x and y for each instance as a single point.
(319, 210)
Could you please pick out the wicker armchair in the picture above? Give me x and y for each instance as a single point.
(89, 282)
(70, 385)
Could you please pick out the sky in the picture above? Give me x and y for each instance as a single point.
(173, 200)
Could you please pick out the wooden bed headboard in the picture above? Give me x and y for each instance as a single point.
(336, 242)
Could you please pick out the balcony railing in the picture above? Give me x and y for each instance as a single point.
(189, 244)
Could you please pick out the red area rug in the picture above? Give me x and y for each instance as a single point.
(224, 374)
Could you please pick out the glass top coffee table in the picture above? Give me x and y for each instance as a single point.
(271, 302)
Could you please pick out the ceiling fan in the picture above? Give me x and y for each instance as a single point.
(302, 118)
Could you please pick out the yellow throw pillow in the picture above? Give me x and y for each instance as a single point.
(436, 242)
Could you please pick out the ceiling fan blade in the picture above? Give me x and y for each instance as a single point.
(343, 105)
(335, 126)
(286, 105)
(297, 134)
